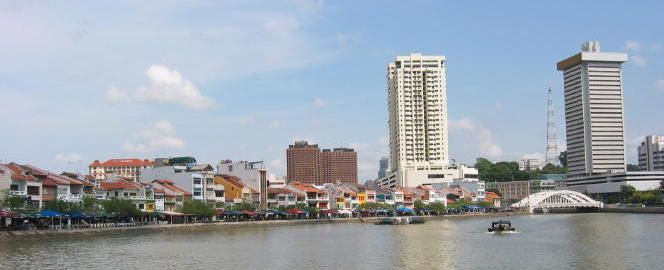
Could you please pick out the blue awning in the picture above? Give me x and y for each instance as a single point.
(404, 210)
(51, 213)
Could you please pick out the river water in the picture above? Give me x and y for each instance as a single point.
(564, 241)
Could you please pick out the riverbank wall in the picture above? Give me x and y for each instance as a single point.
(189, 226)
(634, 210)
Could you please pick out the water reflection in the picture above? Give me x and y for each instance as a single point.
(583, 241)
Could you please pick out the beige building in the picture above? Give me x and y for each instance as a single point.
(417, 107)
(127, 167)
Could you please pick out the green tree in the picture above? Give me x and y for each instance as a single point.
(419, 204)
(244, 205)
(632, 168)
(199, 208)
(438, 207)
(120, 207)
(91, 205)
(563, 158)
(17, 204)
(627, 191)
(62, 206)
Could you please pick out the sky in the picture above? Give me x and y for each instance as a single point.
(94, 80)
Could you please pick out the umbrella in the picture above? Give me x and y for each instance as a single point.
(6, 214)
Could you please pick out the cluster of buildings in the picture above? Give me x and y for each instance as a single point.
(166, 183)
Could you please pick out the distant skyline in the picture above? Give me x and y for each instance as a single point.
(242, 80)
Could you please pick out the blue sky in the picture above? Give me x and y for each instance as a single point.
(243, 79)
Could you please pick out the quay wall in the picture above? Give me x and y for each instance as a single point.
(634, 210)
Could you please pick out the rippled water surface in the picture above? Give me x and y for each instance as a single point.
(574, 241)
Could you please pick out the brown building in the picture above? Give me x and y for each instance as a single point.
(302, 161)
(338, 165)
(307, 164)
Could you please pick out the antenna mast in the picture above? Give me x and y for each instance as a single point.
(551, 141)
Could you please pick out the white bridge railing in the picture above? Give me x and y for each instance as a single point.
(556, 199)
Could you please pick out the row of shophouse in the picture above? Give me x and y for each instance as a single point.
(165, 185)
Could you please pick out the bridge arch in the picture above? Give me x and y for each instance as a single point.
(555, 199)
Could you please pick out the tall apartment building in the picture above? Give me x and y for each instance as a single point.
(594, 111)
(651, 154)
(302, 161)
(127, 167)
(417, 107)
(383, 166)
(338, 165)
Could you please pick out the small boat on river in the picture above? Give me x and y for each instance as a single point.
(501, 226)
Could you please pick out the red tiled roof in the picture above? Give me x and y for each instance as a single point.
(120, 184)
(164, 181)
(122, 162)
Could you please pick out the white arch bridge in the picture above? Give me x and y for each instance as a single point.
(557, 199)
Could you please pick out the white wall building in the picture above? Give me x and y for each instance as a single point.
(199, 182)
(594, 111)
(528, 164)
(417, 107)
(651, 154)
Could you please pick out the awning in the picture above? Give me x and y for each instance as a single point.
(171, 213)
(220, 211)
(326, 211)
(232, 213)
(6, 214)
(80, 215)
(249, 213)
(51, 213)
(296, 211)
(404, 210)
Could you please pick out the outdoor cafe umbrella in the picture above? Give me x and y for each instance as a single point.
(5, 214)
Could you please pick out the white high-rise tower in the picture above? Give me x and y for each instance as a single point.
(417, 105)
(594, 111)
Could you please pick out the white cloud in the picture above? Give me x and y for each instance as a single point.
(639, 61)
(368, 155)
(68, 158)
(319, 102)
(166, 86)
(660, 84)
(477, 134)
(632, 45)
(159, 135)
(274, 124)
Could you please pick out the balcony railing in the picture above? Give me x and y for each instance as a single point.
(137, 198)
(17, 193)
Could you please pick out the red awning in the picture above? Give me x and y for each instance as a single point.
(220, 211)
(295, 211)
(249, 212)
(6, 214)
